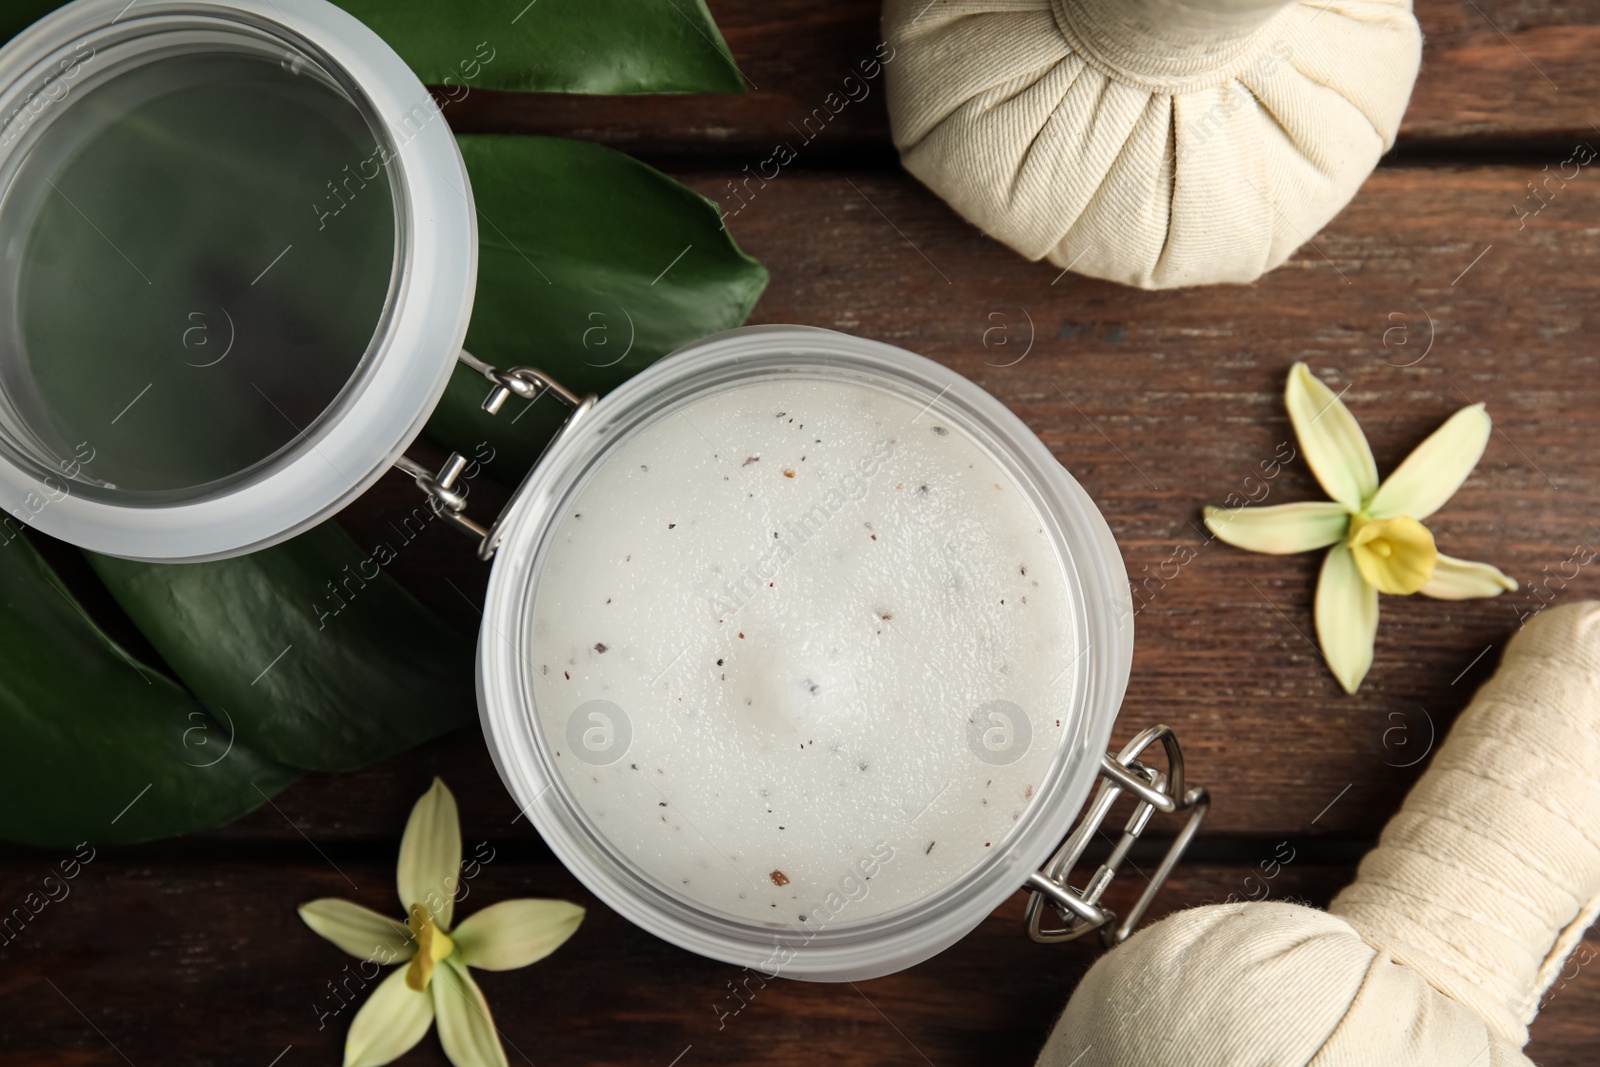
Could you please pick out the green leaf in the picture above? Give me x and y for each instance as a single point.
(591, 266)
(557, 46)
(98, 746)
(547, 46)
(20, 14)
(317, 657)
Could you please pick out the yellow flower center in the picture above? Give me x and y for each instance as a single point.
(1395, 556)
(433, 945)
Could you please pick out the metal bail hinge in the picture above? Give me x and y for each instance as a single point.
(1080, 910)
(446, 492)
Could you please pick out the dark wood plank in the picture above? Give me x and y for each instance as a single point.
(1506, 69)
(1427, 293)
(1493, 70)
(130, 962)
(1160, 403)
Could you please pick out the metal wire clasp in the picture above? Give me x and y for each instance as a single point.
(444, 490)
(1080, 910)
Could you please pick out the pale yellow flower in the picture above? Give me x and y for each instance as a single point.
(1378, 543)
(434, 984)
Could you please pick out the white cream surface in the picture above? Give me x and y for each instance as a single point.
(805, 598)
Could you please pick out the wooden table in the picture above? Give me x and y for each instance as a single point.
(190, 951)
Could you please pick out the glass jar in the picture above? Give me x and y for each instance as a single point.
(237, 259)
(723, 783)
(238, 254)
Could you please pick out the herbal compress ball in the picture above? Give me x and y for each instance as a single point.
(1157, 143)
(1455, 926)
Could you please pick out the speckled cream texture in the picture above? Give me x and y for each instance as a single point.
(800, 594)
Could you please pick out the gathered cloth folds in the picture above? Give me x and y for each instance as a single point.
(1158, 143)
(1438, 954)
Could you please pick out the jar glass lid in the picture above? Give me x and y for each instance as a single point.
(236, 257)
(802, 640)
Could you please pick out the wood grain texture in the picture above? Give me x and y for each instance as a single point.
(239, 955)
(123, 969)
(1442, 284)
(1492, 71)
(1161, 403)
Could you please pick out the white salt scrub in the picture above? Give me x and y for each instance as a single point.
(802, 651)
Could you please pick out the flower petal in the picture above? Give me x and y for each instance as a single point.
(1436, 468)
(391, 1021)
(1331, 439)
(1459, 579)
(1282, 528)
(515, 933)
(1347, 617)
(430, 855)
(359, 931)
(466, 1029)
(1395, 556)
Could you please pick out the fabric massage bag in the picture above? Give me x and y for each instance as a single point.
(1157, 143)
(1439, 953)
